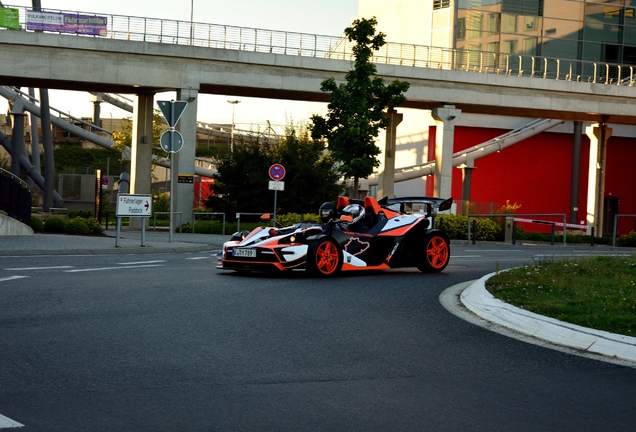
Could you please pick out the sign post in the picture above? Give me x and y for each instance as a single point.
(129, 205)
(172, 141)
(276, 173)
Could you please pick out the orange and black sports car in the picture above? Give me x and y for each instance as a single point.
(398, 233)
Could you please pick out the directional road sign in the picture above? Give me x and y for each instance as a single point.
(172, 110)
(129, 205)
(171, 141)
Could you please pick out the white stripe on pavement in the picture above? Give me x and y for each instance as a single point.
(11, 278)
(6, 422)
(37, 268)
(111, 268)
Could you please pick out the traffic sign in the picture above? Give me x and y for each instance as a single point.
(134, 205)
(276, 185)
(172, 110)
(276, 172)
(171, 141)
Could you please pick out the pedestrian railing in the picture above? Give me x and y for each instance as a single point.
(221, 36)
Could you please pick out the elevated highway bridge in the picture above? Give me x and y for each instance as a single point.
(144, 56)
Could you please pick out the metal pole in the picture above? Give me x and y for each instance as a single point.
(117, 231)
(143, 232)
(275, 205)
(171, 191)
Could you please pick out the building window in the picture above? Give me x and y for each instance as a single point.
(441, 4)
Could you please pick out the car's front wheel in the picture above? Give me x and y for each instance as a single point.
(324, 257)
(436, 253)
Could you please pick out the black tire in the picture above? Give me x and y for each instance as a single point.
(435, 251)
(324, 258)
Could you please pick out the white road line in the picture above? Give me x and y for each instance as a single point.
(37, 268)
(111, 268)
(141, 262)
(12, 278)
(6, 422)
(198, 258)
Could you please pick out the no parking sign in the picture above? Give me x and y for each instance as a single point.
(276, 172)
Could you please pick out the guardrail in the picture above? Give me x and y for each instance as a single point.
(195, 214)
(220, 36)
(238, 218)
(561, 215)
(615, 229)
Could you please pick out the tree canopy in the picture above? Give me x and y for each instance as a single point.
(357, 108)
(241, 183)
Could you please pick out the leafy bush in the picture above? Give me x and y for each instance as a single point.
(37, 224)
(77, 225)
(456, 227)
(294, 218)
(93, 226)
(628, 240)
(54, 224)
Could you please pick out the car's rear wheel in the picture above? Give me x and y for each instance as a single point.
(324, 257)
(436, 253)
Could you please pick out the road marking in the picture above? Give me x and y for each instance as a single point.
(111, 268)
(141, 262)
(198, 258)
(12, 278)
(6, 422)
(37, 268)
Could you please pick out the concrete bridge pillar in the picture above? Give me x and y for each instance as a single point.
(184, 159)
(445, 117)
(386, 184)
(598, 134)
(141, 150)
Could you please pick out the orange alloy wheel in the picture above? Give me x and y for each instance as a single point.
(437, 253)
(327, 258)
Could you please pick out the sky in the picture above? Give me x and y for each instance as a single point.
(324, 17)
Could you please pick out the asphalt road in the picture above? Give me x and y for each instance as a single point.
(166, 342)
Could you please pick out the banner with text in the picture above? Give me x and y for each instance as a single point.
(67, 23)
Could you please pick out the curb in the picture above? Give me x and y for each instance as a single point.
(480, 302)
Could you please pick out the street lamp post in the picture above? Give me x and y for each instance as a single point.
(233, 102)
(191, 22)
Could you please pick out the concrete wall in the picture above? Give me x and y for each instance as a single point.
(10, 226)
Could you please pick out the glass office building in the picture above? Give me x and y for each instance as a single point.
(485, 32)
(591, 30)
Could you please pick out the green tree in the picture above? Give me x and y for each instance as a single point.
(241, 181)
(310, 174)
(356, 111)
(242, 178)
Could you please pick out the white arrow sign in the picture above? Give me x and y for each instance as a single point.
(134, 205)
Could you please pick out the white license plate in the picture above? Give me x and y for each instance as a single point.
(248, 253)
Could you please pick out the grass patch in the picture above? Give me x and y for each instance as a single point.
(594, 292)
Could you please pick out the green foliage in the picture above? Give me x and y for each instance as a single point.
(161, 202)
(242, 178)
(628, 240)
(94, 226)
(357, 108)
(76, 225)
(456, 227)
(294, 218)
(71, 158)
(595, 292)
(36, 224)
(54, 224)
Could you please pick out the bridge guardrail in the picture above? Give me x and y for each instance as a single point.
(221, 36)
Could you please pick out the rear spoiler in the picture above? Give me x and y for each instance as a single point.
(433, 205)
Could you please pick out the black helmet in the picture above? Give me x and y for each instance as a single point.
(327, 212)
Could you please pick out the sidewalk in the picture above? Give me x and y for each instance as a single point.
(129, 243)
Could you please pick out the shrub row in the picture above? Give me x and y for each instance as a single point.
(76, 225)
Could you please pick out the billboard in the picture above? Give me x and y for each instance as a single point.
(67, 23)
(10, 18)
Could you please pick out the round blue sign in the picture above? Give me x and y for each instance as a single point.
(277, 172)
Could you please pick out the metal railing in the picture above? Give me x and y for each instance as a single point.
(221, 36)
(615, 229)
(513, 215)
(195, 214)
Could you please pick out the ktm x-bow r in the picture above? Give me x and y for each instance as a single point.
(398, 233)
